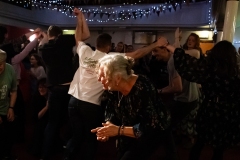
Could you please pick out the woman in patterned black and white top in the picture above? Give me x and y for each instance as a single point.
(134, 111)
(218, 120)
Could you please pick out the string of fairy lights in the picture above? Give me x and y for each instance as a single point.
(113, 13)
(109, 13)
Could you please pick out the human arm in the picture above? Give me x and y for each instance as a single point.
(174, 87)
(82, 26)
(42, 112)
(78, 33)
(36, 31)
(44, 39)
(145, 50)
(177, 37)
(85, 29)
(19, 57)
(24, 38)
(13, 97)
(111, 130)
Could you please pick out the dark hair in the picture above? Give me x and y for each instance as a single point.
(197, 46)
(41, 81)
(104, 40)
(223, 57)
(54, 31)
(38, 59)
(3, 31)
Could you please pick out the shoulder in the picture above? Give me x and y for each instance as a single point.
(82, 47)
(9, 67)
(143, 81)
(40, 68)
(193, 52)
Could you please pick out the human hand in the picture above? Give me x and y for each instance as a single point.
(37, 30)
(39, 35)
(77, 12)
(108, 130)
(103, 139)
(162, 42)
(10, 115)
(44, 38)
(178, 34)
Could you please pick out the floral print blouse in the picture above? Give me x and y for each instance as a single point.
(218, 120)
(141, 108)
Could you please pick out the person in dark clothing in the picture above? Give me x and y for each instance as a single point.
(140, 122)
(218, 117)
(57, 55)
(40, 116)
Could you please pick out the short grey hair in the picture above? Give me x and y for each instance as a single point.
(3, 56)
(116, 65)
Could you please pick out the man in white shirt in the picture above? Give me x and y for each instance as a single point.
(85, 112)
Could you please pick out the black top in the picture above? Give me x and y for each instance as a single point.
(38, 103)
(142, 108)
(57, 55)
(154, 69)
(218, 120)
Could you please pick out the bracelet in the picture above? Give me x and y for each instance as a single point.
(122, 129)
(11, 107)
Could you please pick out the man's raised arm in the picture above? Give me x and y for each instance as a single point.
(78, 33)
(145, 50)
(85, 29)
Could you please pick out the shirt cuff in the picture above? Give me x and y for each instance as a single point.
(136, 130)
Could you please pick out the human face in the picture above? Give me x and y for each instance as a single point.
(191, 43)
(129, 48)
(106, 82)
(2, 66)
(161, 53)
(42, 89)
(119, 47)
(33, 61)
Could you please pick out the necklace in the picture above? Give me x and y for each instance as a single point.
(119, 99)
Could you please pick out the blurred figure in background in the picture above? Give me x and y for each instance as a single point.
(218, 117)
(8, 96)
(40, 116)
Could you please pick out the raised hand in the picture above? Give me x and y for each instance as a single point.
(77, 12)
(37, 30)
(44, 38)
(178, 34)
(162, 42)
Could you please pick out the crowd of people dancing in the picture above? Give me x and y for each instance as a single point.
(157, 95)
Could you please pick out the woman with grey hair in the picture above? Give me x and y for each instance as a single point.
(134, 112)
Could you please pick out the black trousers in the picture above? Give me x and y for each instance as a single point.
(7, 134)
(147, 145)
